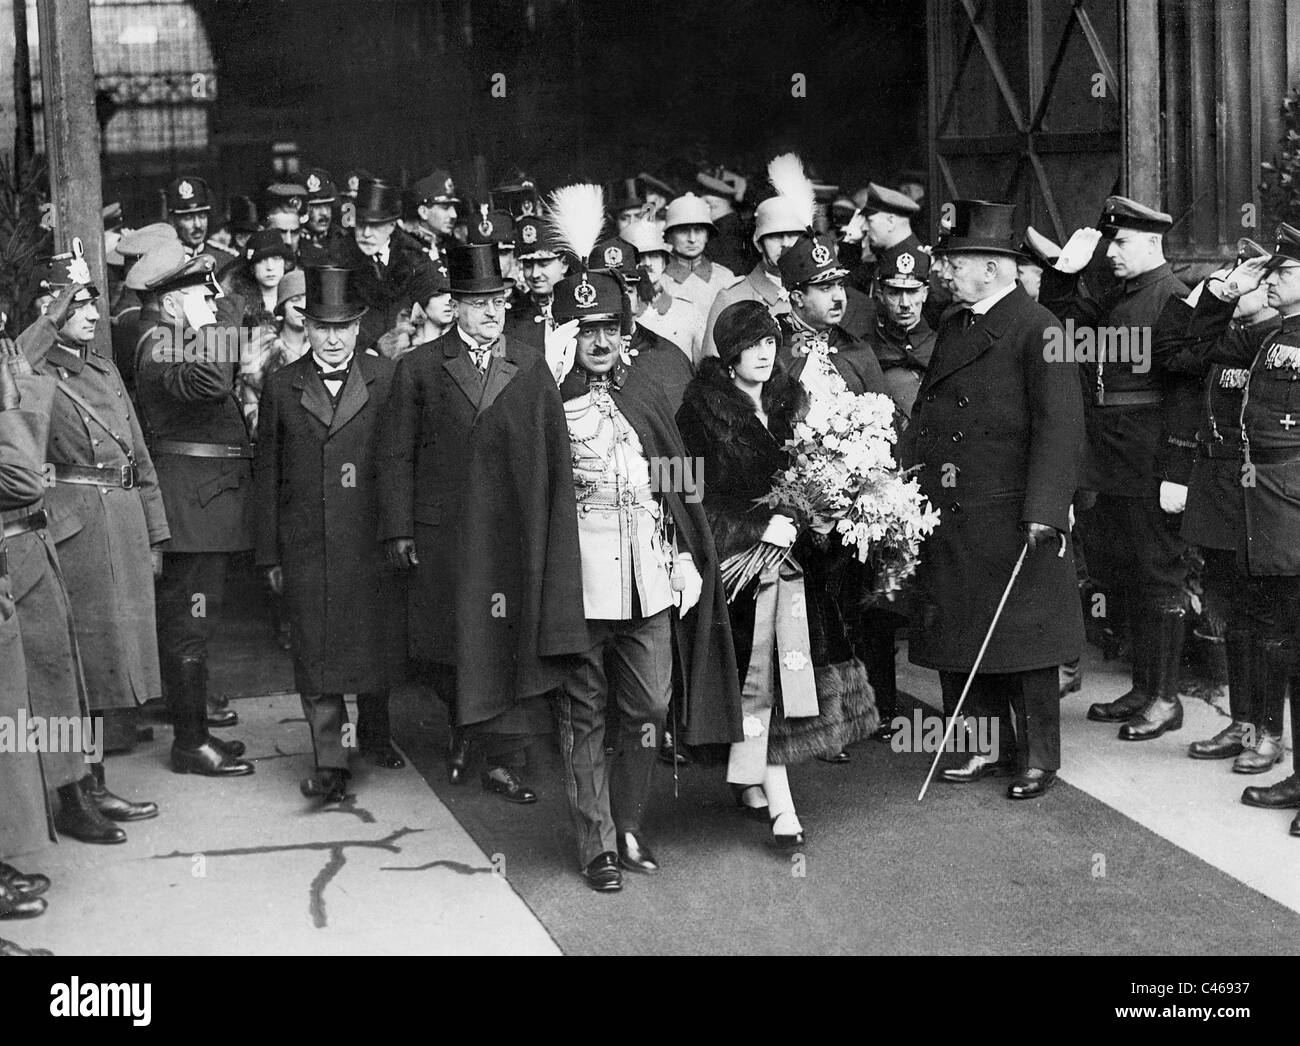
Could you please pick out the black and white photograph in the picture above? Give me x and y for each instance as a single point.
(652, 478)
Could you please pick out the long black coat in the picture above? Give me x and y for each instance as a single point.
(424, 460)
(318, 518)
(998, 432)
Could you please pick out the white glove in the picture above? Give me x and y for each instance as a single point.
(780, 532)
(1078, 250)
(561, 347)
(855, 230)
(693, 584)
(1173, 497)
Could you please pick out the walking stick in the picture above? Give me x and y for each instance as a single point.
(952, 720)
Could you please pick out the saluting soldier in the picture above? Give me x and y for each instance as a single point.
(439, 389)
(317, 532)
(1131, 535)
(186, 369)
(124, 317)
(997, 429)
(542, 266)
(1268, 548)
(111, 520)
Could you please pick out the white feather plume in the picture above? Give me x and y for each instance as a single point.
(787, 176)
(576, 217)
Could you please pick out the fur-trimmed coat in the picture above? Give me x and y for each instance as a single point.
(740, 457)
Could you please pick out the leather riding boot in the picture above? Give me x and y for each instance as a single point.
(1164, 712)
(1124, 707)
(1271, 671)
(78, 819)
(193, 751)
(1230, 741)
(114, 807)
(219, 712)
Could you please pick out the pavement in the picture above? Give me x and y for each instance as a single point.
(1137, 850)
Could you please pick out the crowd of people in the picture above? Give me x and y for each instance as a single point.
(503, 450)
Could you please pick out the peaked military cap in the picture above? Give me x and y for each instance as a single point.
(1119, 212)
(810, 259)
(890, 201)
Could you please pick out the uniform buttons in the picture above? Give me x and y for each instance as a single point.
(957, 437)
(963, 401)
(929, 397)
(955, 507)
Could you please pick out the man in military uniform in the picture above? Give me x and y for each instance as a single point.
(901, 339)
(498, 228)
(688, 227)
(777, 224)
(723, 191)
(112, 522)
(436, 202)
(439, 389)
(1268, 548)
(886, 221)
(812, 341)
(125, 315)
(319, 233)
(542, 265)
(186, 370)
(997, 429)
(1131, 535)
(189, 209)
(654, 305)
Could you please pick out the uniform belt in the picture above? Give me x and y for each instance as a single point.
(1219, 451)
(1140, 397)
(125, 476)
(1274, 455)
(202, 450)
(599, 497)
(25, 524)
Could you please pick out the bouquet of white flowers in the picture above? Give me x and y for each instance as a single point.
(843, 477)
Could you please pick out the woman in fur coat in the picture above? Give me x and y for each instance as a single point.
(736, 417)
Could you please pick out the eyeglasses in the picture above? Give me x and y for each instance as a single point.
(481, 304)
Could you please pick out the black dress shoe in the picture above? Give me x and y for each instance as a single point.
(220, 714)
(834, 757)
(385, 756)
(458, 766)
(1120, 710)
(602, 874)
(1031, 783)
(14, 905)
(114, 807)
(1285, 795)
(208, 761)
(1227, 743)
(976, 768)
(9, 948)
(1159, 717)
(329, 785)
(25, 884)
(634, 855)
(503, 782)
(78, 819)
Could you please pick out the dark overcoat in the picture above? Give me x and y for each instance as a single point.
(998, 433)
(423, 463)
(24, 812)
(104, 534)
(185, 389)
(318, 518)
(663, 362)
(523, 484)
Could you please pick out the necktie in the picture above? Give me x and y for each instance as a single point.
(968, 318)
(480, 358)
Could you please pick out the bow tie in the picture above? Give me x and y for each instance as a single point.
(334, 375)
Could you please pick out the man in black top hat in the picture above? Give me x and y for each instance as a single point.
(542, 265)
(997, 430)
(811, 331)
(1131, 535)
(497, 227)
(317, 519)
(439, 389)
(384, 257)
(186, 367)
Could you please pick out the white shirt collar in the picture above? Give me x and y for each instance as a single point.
(332, 366)
(984, 304)
(470, 342)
